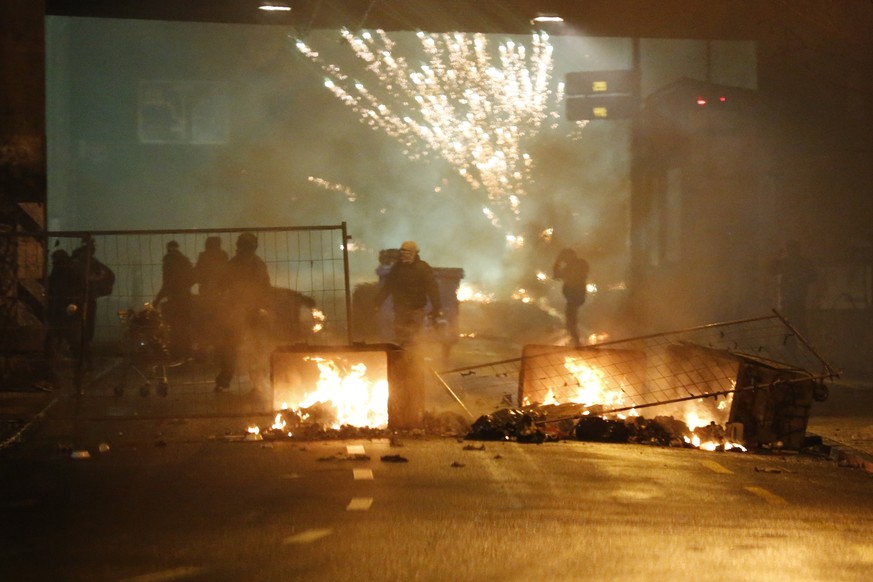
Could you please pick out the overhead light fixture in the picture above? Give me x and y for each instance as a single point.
(274, 7)
(543, 17)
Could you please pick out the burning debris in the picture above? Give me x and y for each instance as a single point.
(733, 386)
(709, 388)
(532, 425)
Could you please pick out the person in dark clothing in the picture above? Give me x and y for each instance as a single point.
(174, 299)
(411, 284)
(209, 267)
(573, 271)
(795, 274)
(96, 280)
(244, 292)
(208, 274)
(63, 291)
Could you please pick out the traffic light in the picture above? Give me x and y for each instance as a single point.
(601, 95)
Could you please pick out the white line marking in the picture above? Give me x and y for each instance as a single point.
(770, 498)
(359, 504)
(308, 536)
(716, 467)
(355, 450)
(363, 474)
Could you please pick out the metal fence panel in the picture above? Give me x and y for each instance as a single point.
(642, 372)
(310, 304)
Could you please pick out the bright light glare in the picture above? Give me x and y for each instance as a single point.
(274, 7)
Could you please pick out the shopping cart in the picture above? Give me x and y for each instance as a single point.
(146, 350)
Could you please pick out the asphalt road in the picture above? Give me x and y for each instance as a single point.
(193, 500)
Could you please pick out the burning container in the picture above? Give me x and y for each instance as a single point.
(375, 385)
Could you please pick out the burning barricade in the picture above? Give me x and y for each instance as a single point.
(738, 385)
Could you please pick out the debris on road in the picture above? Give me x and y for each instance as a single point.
(393, 459)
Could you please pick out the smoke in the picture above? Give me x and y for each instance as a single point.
(296, 155)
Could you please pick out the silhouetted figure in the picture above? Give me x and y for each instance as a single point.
(210, 266)
(795, 274)
(96, 280)
(174, 299)
(410, 283)
(208, 274)
(245, 294)
(63, 292)
(573, 271)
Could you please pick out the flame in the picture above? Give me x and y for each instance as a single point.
(253, 433)
(593, 386)
(318, 318)
(279, 423)
(467, 292)
(357, 400)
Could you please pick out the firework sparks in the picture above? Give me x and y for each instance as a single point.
(475, 107)
(350, 195)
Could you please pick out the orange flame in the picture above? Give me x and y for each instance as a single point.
(357, 400)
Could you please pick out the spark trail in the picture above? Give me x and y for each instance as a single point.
(477, 109)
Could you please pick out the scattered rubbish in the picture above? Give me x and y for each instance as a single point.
(474, 448)
(508, 424)
(393, 459)
(457, 465)
(530, 425)
(345, 457)
(103, 448)
(80, 455)
(769, 470)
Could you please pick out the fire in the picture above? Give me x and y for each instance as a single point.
(593, 386)
(356, 399)
(318, 318)
(467, 292)
(703, 420)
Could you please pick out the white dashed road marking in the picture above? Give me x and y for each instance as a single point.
(716, 467)
(355, 449)
(308, 536)
(770, 498)
(363, 474)
(359, 504)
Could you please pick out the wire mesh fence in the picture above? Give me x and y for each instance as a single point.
(126, 336)
(306, 260)
(695, 366)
